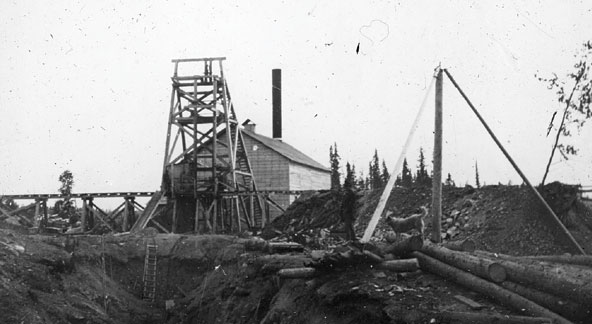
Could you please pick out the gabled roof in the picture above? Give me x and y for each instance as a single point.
(286, 150)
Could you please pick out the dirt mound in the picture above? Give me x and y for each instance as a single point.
(507, 219)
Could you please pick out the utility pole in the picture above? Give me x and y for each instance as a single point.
(437, 179)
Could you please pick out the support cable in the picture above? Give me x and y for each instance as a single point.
(501, 147)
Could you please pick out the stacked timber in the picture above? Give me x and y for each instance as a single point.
(347, 256)
(551, 290)
(565, 287)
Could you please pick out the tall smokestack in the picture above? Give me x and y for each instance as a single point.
(276, 101)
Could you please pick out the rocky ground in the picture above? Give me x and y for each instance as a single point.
(222, 279)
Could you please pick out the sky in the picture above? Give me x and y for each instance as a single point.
(86, 85)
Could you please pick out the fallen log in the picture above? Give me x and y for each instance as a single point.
(584, 260)
(467, 245)
(284, 247)
(257, 244)
(482, 318)
(298, 273)
(404, 244)
(486, 288)
(566, 281)
(565, 308)
(373, 257)
(581, 260)
(404, 265)
(482, 267)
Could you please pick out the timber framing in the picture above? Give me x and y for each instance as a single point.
(208, 184)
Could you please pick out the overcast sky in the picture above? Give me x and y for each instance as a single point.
(86, 85)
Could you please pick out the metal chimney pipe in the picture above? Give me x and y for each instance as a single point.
(276, 102)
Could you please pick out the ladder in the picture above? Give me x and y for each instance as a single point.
(149, 292)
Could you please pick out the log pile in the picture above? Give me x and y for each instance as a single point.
(556, 290)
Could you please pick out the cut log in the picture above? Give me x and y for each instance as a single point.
(582, 260)
(405, 265)
(373, 257)
(486, 288)
(284, 247)
(404, 245)
(564, 307)
(298, 273)
(467, 245)
(565, 281)
(482, 318)
(482, 267)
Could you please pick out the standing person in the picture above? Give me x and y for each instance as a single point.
(348, 213)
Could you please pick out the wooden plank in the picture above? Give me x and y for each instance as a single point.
(220, 58)
(471, 303)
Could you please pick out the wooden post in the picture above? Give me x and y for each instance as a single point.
(174, 226)
(267, 215)
(437, 178)
(84, 218)
(196, 223)
(45, 217)
(37, 222)
(126, 213)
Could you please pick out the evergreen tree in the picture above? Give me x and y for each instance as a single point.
(477, 183)
(334, 161)
(406, 177)
(350, 176)
(375, 177)
(422, 178)
(385, 173)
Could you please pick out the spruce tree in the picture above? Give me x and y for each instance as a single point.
(477, 183)
(422, 178)
(385, 173)
(376, 180)
(350, 177)
(334, 161)
(406, 177)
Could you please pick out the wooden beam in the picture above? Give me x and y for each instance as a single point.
(100, 217)
(437, 176)
(162, 228)
(84, 217)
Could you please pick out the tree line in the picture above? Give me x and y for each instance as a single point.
(378, 174)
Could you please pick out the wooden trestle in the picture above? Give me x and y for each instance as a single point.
(92, 216)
